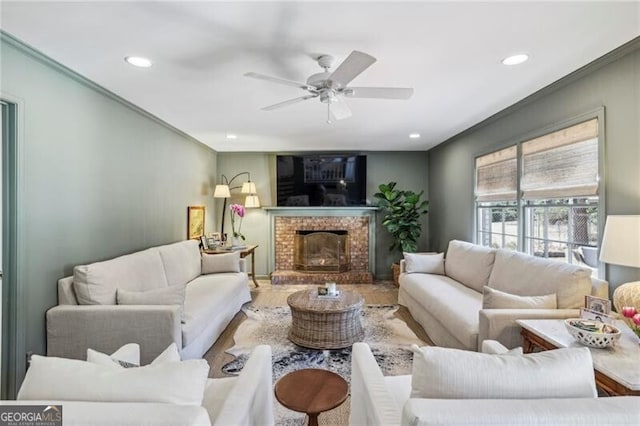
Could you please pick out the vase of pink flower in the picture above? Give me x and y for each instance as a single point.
(237, 213)
(632, 318)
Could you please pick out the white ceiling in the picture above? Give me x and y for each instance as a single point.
(449, 52)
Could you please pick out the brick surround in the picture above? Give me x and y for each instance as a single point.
(284, 229)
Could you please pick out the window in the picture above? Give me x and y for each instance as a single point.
(496, 197)
(541, 196)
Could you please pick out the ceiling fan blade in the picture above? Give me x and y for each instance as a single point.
(279, 80)
(351, 67)
(339, 109)
(287, 103)
(379, 92)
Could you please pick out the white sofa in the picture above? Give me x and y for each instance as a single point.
(88, 315)
(243, 400)
(388, 401)
(448, 304)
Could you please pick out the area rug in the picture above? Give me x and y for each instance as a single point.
(389, 338)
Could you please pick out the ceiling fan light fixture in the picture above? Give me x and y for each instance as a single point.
(138, 61)
(331, 87)
(515, 59)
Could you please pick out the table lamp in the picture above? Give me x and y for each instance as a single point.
(621, 246)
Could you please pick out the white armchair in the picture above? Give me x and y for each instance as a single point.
(243, 400)
(379, 400)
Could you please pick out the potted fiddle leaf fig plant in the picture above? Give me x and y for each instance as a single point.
(402, 211)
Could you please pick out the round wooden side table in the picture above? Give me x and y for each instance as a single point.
(319, 323)
(311, 391)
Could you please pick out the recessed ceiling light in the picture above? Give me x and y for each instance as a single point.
(138, 61)
(515, 59)
(414, 135)
(231, 136)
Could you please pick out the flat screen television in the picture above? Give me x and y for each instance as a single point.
(326, 180)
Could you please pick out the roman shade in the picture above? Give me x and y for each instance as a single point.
(561, 164)
(496, 176)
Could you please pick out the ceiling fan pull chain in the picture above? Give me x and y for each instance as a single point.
(329, 112)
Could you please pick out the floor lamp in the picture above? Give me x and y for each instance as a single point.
(223, 190)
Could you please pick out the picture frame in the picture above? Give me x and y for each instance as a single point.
(203, 241)
(597, 305)
(212, 243)
(195, 222)
(596, 316)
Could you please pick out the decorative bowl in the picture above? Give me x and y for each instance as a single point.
(592, 333)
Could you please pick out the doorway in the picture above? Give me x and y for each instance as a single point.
(8, 249)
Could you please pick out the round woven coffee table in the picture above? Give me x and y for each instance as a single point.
(311, 391)
(325, 323)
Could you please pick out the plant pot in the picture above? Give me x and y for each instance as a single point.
(396, 273)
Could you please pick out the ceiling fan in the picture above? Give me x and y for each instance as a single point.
(331, 87)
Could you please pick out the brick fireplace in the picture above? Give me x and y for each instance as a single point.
(288, 224)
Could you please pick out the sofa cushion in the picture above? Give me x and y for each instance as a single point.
(456, 374)
(469, 264)
(172, 295)
(206, 297)
(424, 263)
(217, 263)
(455, 305)
(96, 284)
(51, 378)
(181, 261)
(524, 275)
(496, 299)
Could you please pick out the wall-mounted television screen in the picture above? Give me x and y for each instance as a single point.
(328, 180)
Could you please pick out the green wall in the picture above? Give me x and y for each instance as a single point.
(97, 178)
(612, 82)
(409, 169)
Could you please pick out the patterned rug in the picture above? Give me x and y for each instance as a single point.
(388, 336)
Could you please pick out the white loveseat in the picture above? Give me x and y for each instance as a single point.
(448, 304)
(88, 315)
(243, 400)
(550, 395)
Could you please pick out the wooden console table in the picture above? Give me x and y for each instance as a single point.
(244, 252)
(616, 368)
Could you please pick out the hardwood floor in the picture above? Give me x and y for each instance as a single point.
(383, 293)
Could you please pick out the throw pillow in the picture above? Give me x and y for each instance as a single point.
(496, 299)
(447, 373)
(173, 295)
(170, 354)
(127, 356)
(424, 263)
(217, 263)
(62, 379)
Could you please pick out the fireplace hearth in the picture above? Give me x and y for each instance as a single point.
(321, 251)
(351, 260)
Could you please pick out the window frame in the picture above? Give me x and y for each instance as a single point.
(599, 114)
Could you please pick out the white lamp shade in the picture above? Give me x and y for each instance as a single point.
(248, 188)
(621, 241)
(222, 191)
(252, 201)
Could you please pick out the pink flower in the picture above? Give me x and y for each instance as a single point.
(629, 311)
(636, 319)
(237, 209)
